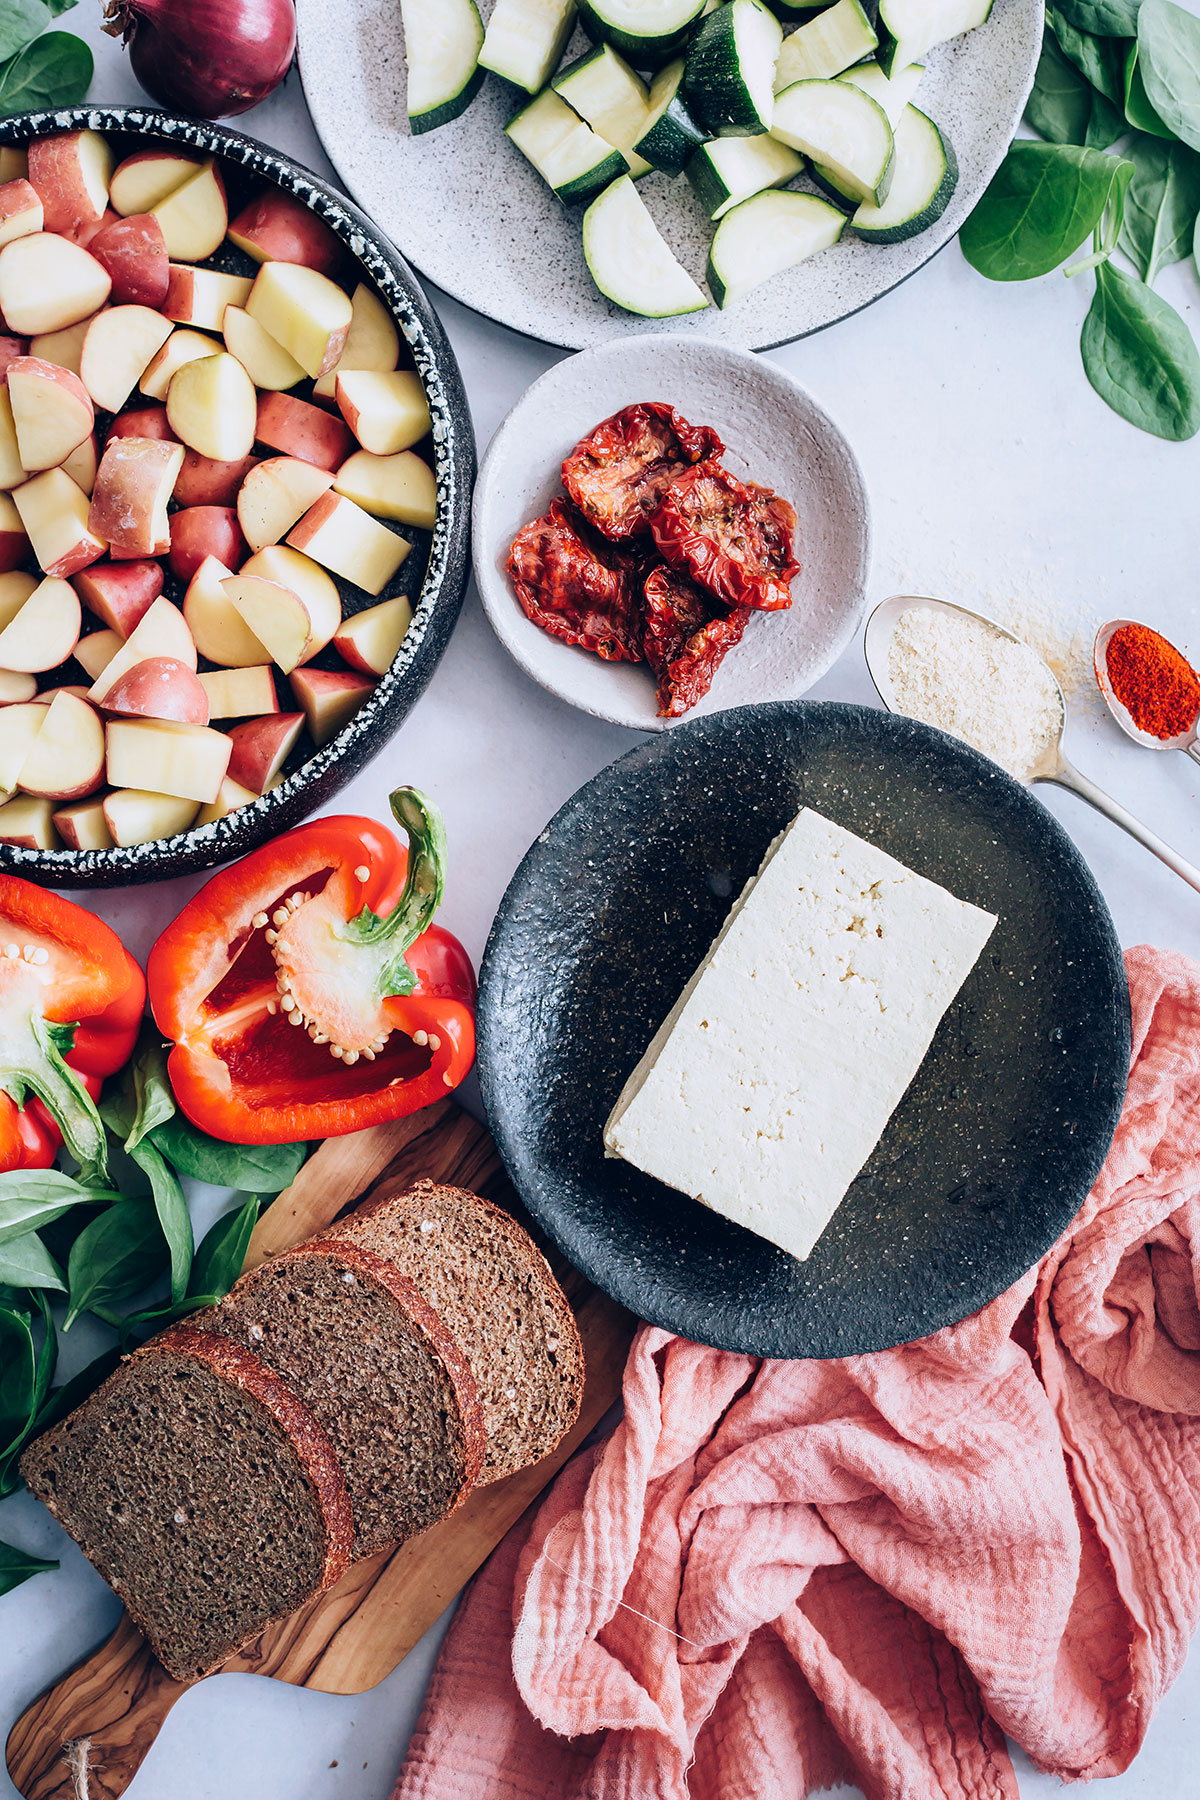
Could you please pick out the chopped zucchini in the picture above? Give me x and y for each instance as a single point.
(669, 133)
(630, 262)
(833, 41)
(648, 33)
(924, 177)
(442, 40)
(565, 152)
(908, 28)
(729, 170)
(840, 128)
(525, 39)
(893, 93)
(604, 90)
(730, 74)
(763, 235)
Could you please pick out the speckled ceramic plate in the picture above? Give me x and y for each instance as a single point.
(433, 575)
(473, 216)
(998, 1138)
(774, 432)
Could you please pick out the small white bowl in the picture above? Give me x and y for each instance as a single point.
(774, 432)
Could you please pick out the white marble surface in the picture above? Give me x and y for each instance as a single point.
(995, 476)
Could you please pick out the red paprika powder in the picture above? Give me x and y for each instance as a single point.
(1157, 686)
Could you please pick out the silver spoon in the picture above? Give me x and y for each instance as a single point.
(1054, 765)
(1184, 740)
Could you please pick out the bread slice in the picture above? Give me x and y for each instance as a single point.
(379, 1371)
(203, 1490)
(492, 1286)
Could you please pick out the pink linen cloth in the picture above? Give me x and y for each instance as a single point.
(873, 1568)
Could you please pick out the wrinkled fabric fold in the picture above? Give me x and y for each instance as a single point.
(776, 1575)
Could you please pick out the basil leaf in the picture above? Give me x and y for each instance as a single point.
(17, 1566)
(1100, 60)
(1041, 204)
(1169, 59)
(173, 1215)
(1161, 205)
(254, 1168)
(1138, 110)
(20, 23)
(1103, 18)
(114, 1258)
(26, 1262)
(221, 1255)
(55, 70)
(1141, 358)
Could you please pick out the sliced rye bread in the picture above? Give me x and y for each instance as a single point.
(492, 1286)
(203, 1490)
(379, 1370)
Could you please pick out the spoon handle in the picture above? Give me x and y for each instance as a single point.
(1068, 776)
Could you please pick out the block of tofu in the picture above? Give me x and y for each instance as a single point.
(770, 1082)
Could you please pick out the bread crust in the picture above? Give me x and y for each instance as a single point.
(571, 1364)
(374, 1268)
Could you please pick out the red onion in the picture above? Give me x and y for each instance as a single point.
(209, 58)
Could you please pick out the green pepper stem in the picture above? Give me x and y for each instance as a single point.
(424, 885)
(35, 1065)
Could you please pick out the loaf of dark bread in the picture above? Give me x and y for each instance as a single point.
(379, 1371)
(204, 1491)
(491, 1285)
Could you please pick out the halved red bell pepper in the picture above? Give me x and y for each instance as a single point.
(71, 1003)
(305, 990)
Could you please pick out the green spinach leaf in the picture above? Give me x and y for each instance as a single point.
(1041, 204)
(1138, 110)
(25, 1262)
(18, 1380)
(1103, 18)
(221, 1255)
(56, 7)
(173, 1215)
(1065, 108)
(1169, 60)
(55, 70)
(1141, 358)
(1100, 60)
(20, 23)
(17, 1566)
(31, 1199)
(114, 1258)
(254, 1168)
(1161, 205)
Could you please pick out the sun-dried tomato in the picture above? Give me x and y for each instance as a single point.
(578, 587)
(618, 473)
(687, 635)
(733, 537)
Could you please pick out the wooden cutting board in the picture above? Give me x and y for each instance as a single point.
(109, 1708)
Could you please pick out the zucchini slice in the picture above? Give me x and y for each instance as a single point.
(833, 41)
(841, 129)
(729, 170)
(669, 133)
(629, 262)
(908, 28)
(764, 235)
(730, 74)
(565, 152)
(525, 38)
(893, 93)
(604, 91)
(442, 41)
(924, 177)
(648, 33)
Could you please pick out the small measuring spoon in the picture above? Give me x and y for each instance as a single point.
(1054, 765)
(1184, 740)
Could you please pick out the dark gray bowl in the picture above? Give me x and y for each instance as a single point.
(433, 575)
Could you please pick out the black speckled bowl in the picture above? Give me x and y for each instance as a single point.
(991, 1150)
(433, 576)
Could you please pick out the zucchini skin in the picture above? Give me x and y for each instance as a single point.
(705, 183)
(449, 109)
(711, 82)
(670, 143)
(846, 203)
(910, 228)
(642, 52)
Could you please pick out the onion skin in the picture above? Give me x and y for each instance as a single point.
(210, 59)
